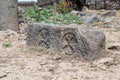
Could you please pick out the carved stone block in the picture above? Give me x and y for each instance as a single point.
(71, 39)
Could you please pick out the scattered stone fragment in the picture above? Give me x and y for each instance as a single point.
(57, 57)
(91, 19)
(114, 46)
(21, 10)
(2, 75)
(108, 19)
(104, 63)
(21, 15)
(109, 13)
(75, 12)
(22, 27)
(65, 65)
(82, 13)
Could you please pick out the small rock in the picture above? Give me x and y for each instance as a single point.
(57, 57)
(117, 25)
(114, 46)
(109, 13)
(91, 19)
(82, 13)
(75, 12)
(104, 60)
(21, 10)
(2, 75)
(109, 19)
(10, 32)
(65, 65)
(22, 27)
(104, 63)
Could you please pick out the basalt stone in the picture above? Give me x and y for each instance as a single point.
(90, 4)
(99, 4)
(103, 4)
(47, 2)
(8, 15)
(112, 4)
(91, 19)
(75, 40)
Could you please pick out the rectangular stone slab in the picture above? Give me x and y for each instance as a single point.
(71, 39)
(8, 15)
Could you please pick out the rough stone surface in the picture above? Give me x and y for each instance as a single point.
(47, 2)
(109, 13)
(72, 39)
(103, 4)
(8, 15)
(21, 15)
(91, 19)
(91, 4)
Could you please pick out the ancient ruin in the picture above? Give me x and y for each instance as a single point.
(91, 4)
(103, 4)
(72, 39)
(8, 15)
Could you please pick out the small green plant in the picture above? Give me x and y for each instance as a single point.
(71, 18)
(7, 44)
(36, 15)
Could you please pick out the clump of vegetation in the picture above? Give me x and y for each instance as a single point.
(48, 15)
(63, 7)
(36, 15)
(6, 44)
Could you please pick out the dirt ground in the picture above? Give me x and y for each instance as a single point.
(19, 62)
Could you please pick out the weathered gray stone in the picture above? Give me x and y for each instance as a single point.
(8, 15)
(74, 4)
(90, 4)
(21, 15)
(99, 4)
(91, 19)
(112, 4)
(71, 39)
(108, 19)
(103, 4)
(21, 10)
(47, 2)
(109, 13)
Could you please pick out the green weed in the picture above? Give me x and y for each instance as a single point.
(7, 44)
(48, 15)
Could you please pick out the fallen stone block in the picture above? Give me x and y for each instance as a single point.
(71, 39)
